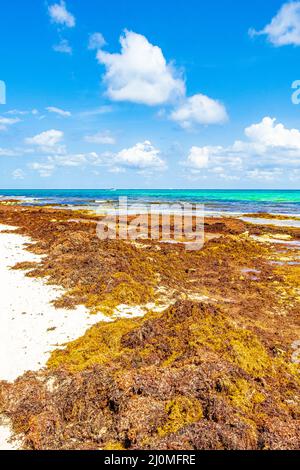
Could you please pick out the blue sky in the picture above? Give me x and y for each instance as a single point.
(196, 95)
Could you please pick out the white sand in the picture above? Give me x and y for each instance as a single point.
(30, 326)
(6, 442)
(26, 316)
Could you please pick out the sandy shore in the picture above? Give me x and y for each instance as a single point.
(30, 326)
(229, 333)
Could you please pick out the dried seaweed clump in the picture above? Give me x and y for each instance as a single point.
(165, 339)
(175, 380)
(103, 274)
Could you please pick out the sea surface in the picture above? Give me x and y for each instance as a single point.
(216, 202)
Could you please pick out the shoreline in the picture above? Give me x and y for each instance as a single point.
(230, 203)
(33, 327)
(233, 304)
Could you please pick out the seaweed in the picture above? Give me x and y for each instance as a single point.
(215, 373)
(117, 388)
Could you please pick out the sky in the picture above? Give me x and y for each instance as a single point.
(132, 94)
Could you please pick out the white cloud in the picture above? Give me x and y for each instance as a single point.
(59, 14)
(270, 134)
(48, 141)
(265, 175)
(100, 138)
(44, 169)
(17, 112)
(198, 157)
(8, 153)
(140, 73)
(60, 112)
(75, 160)
(143, 157)
(97, 111)
(18, 174)
(271, 150)
(96, 41)
(199, 109)
(116, 170)
(213, 159)
(295, 175)
(284, 28)
(229, 177)
(5, 122)
(140, 156)
(63, 47)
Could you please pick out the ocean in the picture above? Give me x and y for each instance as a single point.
(215, 201)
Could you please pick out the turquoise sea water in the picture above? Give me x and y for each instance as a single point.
(219, 201)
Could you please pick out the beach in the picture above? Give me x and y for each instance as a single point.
(115, 314)
(149, 230)
(30, 326)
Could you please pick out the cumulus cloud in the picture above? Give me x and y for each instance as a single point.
(198, 157)
(265, 175)
(284, 28)
(60, 15)
(6, 122)
(8, 152)
(116, 170)
(18, 174)
(75, 160)
(48, 141)
(141, 156)
(270, 134)
(63, 47)
(46, 168)
(101, 138)
(295, 175)
(199, 109)
(270, 150)
(60, 112)
(217, 160)
(96, 41)
(140, 73)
